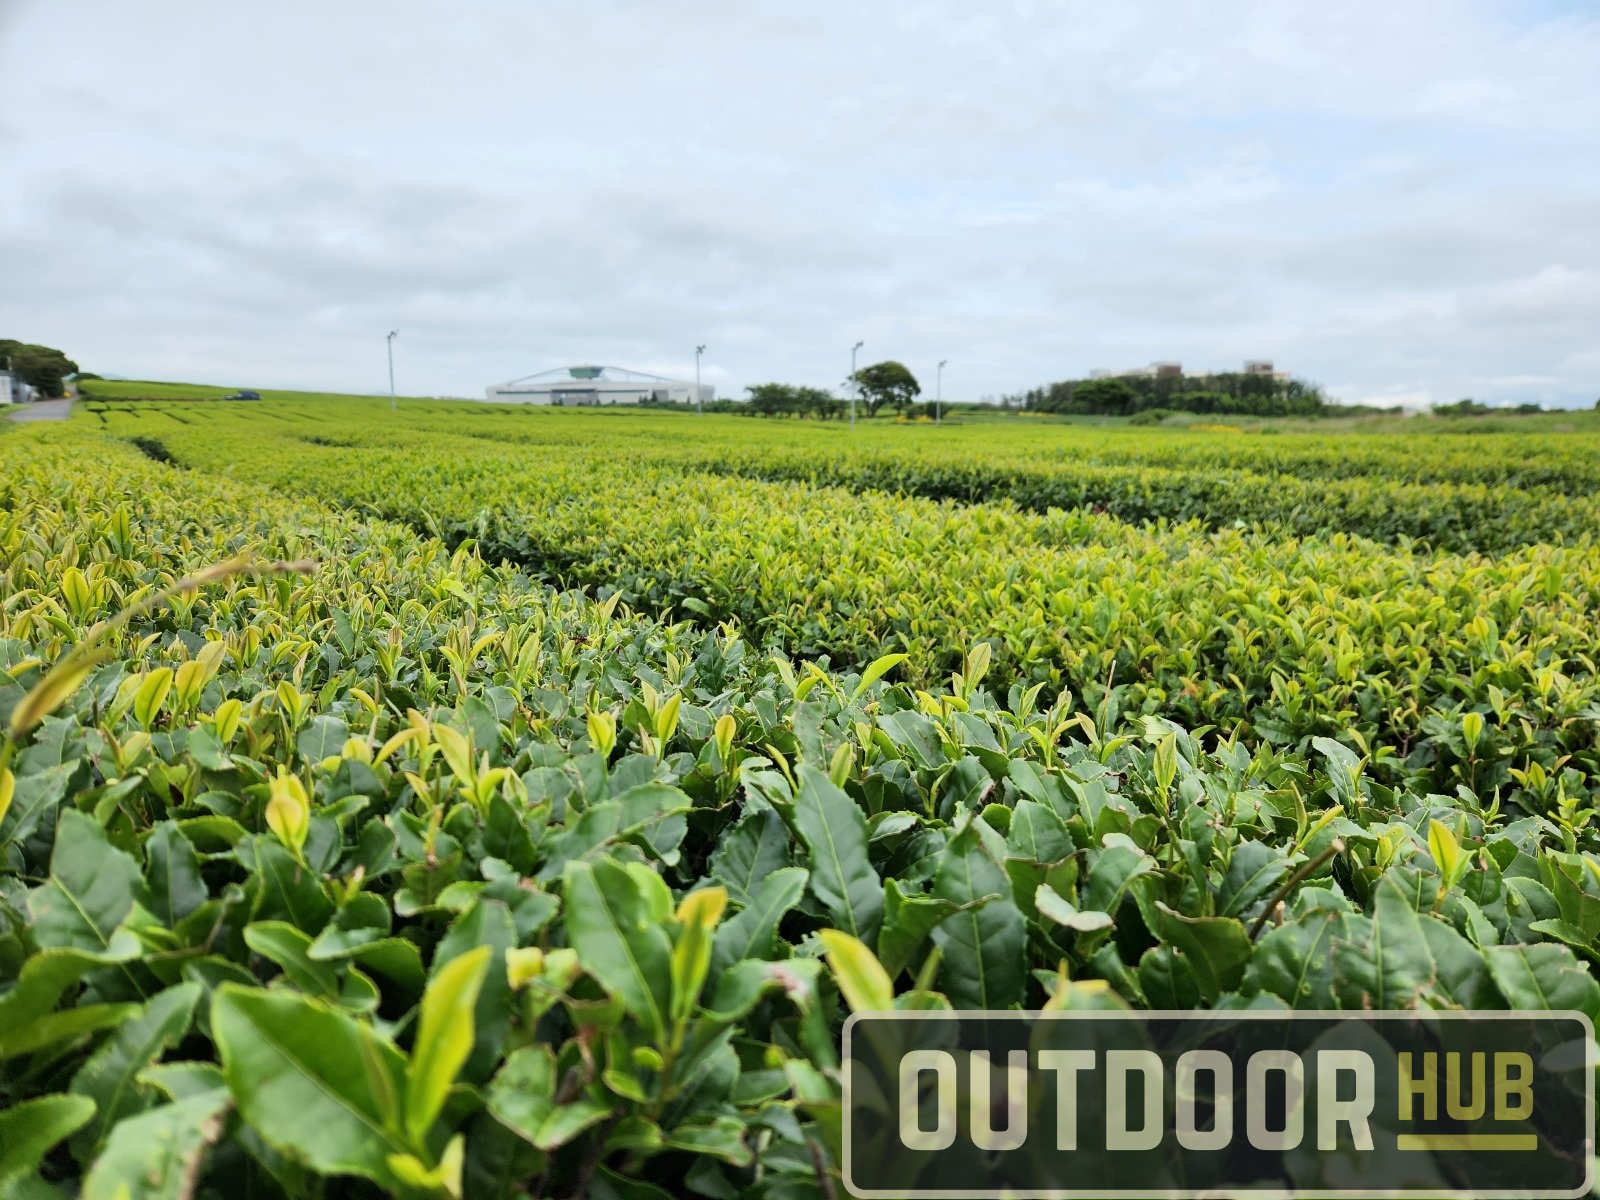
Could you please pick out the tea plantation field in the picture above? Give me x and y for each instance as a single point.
(494, 802)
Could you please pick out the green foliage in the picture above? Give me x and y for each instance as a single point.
(1227, 393)
(886, 383)
(1117, 397)
(1150, 416)
(408, 867)
(787, 399)
(1464, 408)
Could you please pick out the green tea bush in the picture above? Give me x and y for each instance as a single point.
(338, 860)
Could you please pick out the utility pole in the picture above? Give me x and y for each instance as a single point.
(699, 403)
(938, 390)
(393, 333)
(855, 387)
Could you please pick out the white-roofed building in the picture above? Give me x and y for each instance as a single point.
(590, 386)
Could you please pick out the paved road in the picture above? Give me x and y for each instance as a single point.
(44, 410)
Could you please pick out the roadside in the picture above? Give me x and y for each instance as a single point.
(42, 410)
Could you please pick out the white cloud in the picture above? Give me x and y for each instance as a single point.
(1398, 200)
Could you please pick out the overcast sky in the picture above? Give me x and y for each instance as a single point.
(1398, 199)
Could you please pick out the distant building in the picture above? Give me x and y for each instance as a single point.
(14, 391)
(1172, 370)
(590, 386)
(1263, 366)
(1156, 370)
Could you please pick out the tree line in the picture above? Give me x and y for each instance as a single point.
(887, 384)
(1234, 393)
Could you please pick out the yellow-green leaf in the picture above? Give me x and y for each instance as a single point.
(190, 680)
(226, 720)
(289, 811)
(53, 690)
(602, 731)
(667, 719)
(862, 980)
(1166, 761)
(844, 761)
(698, 915)
(457, 751)
(976, 665)
(878, 669)
(152, 694)
(75, 588)
(723, 734)
(1447, 854)
(444, 1038)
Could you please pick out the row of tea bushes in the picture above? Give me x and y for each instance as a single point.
(1489, 494)
(1281, 639)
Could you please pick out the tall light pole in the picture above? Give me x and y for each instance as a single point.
(393, 333)
(855, 387)
(699, 403)
(938, 390)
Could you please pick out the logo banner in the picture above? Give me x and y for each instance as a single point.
(972, 1105)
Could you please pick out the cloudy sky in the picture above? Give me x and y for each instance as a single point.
(1399, 199)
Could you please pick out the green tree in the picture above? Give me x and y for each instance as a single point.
(786, 399)
(888, 383)
(41, 366)
(1110, 396)
(1461, 408)
(817, 402)
(770, 399)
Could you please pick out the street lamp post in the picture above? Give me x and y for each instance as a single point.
(855, 386)
(699, 403)
(393, 333)
(938, 390)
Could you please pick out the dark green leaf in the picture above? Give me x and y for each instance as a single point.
(616, 920)
(92, 887)
(1383, 962)
(287, 946)
(110, 1076)
(323, 737)
(288, 891)
(172, 870)
(28, 1131)
(1253, 871)
(752, 850)
(752, 933)
(984, 945)
(1216, 949)
(156, 1155)
(835, 832)
(1295, 960)
(315, 1083)
(1543, 977)
(34, 802)
(907, 922)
